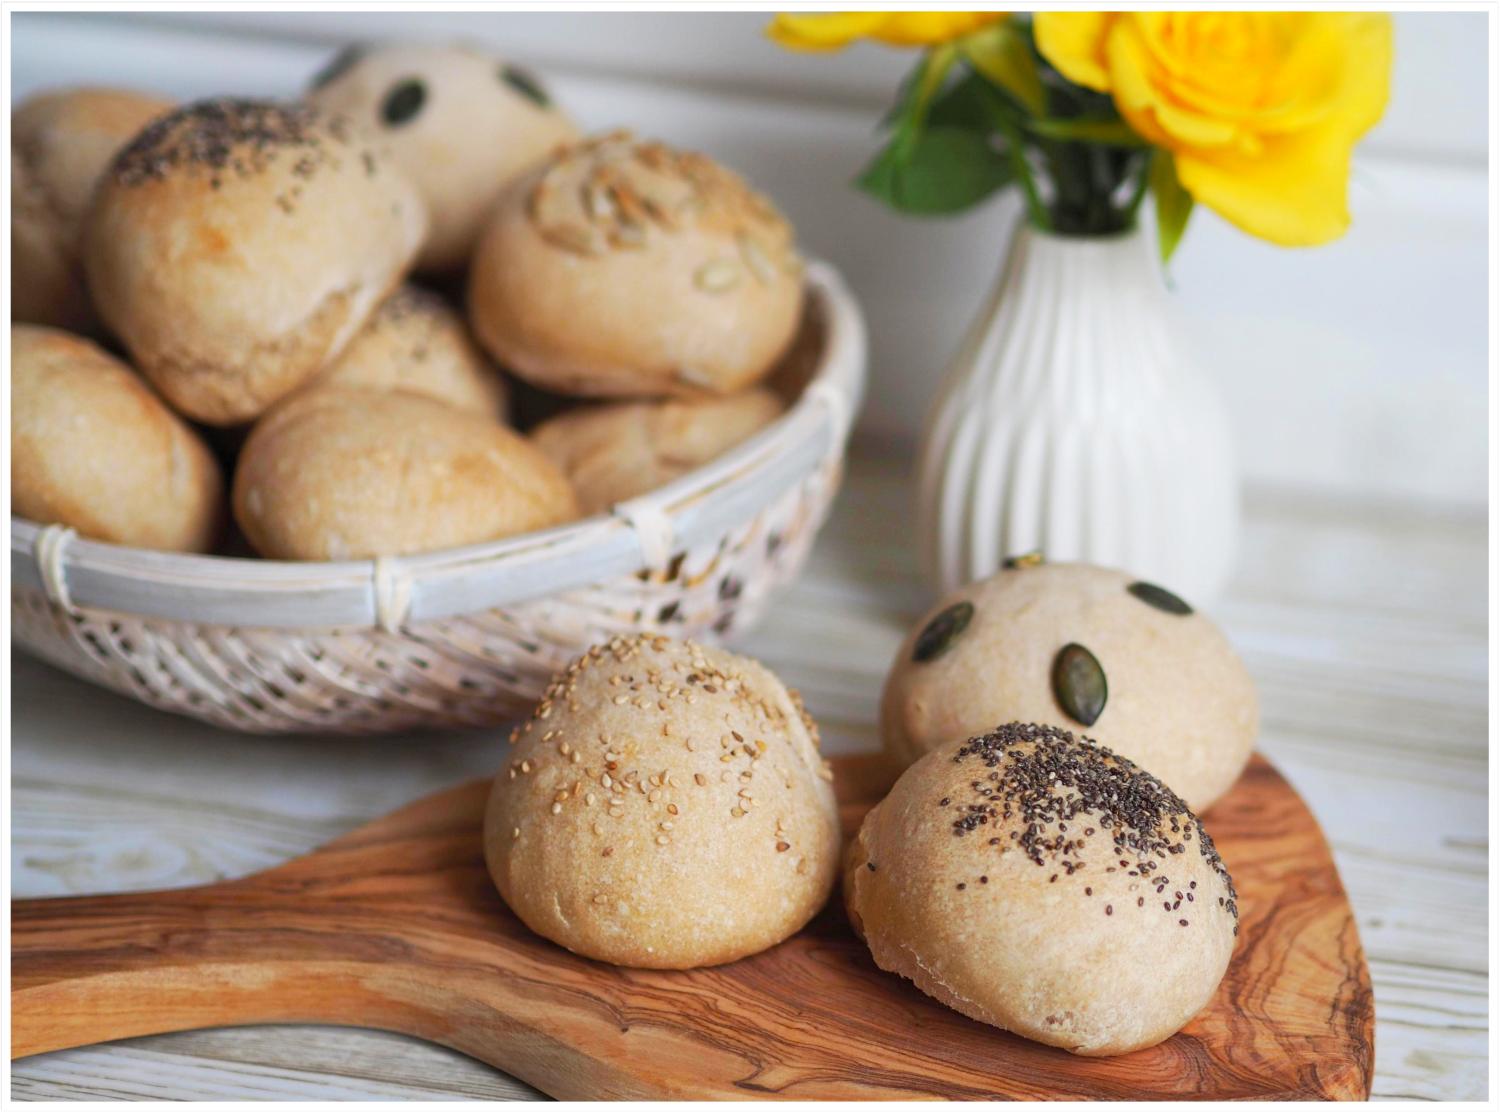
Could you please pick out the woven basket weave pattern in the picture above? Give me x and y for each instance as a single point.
(470, 669)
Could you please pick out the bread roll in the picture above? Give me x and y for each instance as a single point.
(619, 450)
(415, 342)
(1039, 883)
(60, 144)
(340, 474)
(627, 269)
(458, 122)
(1080, 647)
(235, 247)
(91, 447)
(665, 806)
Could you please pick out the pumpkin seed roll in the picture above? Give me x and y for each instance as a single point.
(1079, 647)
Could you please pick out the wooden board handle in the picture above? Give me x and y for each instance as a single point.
(339, 936)
(89, 969)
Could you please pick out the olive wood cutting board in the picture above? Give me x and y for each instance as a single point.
(396, 926)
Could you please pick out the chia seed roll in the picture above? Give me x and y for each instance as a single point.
(235, 246)
(1039, 882)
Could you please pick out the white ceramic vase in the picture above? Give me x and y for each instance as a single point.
(1071, 422)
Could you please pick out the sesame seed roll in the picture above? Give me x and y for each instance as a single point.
(665, 806)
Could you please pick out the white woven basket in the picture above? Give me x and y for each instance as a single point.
(464, 636)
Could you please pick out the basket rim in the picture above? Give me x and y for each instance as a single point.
(385, 592)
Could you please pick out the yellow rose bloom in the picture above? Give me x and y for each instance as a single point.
(1261, 110)
(838, 29)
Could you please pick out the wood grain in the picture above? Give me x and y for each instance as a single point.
(396, 926)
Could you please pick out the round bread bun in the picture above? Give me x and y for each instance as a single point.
(459, 122)
(340, 474)
(616, 451)
(235, 247)
(91, 447)
(1042, 884)
(1177, 698)
(628, 269)
(60, 144)
(414, 341)
(664, 807)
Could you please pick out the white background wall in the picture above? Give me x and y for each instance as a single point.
(1360, 367)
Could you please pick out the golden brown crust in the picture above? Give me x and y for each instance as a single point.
(628, 269)
(93, 448)
(60, 144)
(236, 246)
(343, 474)
(665, 806)
(1179, 700)
(1038, 882)
(617, 451)
(414, 341)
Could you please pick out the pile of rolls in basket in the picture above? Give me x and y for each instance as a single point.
(371, 409)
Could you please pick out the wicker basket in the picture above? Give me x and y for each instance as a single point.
(465, 636)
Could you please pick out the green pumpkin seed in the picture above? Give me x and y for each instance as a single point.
(1025, 560)
(341, 63)
(1079, 685)
(403, 102)
(1158, 597)
(525, 84)
(939, 635)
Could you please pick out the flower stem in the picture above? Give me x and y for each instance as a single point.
(1016, 151)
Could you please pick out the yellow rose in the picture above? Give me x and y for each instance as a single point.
(838, 29)
(1260, 110)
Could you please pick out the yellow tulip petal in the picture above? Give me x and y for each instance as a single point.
(823, 32)
(1294, 194)
(1074, 43)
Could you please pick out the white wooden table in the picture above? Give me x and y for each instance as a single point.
(1365, 627)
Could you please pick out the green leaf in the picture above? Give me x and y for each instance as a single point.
(1084, 129)
(1000, 52)
(943, 170)
(1173, 203)
(918, 88)
(962, 105)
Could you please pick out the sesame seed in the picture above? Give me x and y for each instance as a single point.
(556, 808)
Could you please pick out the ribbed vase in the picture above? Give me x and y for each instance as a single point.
(1071, 422)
